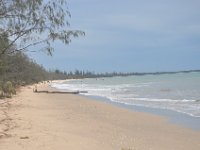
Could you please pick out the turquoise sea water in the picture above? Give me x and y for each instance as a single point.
(178, 92)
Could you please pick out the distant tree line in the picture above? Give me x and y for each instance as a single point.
(80, 74)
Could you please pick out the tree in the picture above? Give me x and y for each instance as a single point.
(30, 22)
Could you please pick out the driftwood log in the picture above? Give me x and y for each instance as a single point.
(57, 92)
(60, 92)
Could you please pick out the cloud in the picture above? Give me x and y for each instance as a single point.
(144, 23)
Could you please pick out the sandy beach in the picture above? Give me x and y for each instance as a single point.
(40, 121)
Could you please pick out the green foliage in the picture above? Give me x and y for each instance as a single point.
(4, 42)
(32, 22)
(17, 69)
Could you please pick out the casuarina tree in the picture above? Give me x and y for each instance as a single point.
(27, 23)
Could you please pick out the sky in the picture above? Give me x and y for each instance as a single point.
(130, 36)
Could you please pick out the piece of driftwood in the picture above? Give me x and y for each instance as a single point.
(57, 92)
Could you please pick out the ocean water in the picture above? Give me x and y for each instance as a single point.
(178, 92)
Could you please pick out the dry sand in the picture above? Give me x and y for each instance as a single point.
(33, 121)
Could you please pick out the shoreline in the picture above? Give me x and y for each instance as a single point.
(174, 117)
(57, 121)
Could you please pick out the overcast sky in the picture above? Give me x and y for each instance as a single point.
(130, 36)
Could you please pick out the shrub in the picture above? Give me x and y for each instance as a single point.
(8, 89)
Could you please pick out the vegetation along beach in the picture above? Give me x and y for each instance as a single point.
(93, 75)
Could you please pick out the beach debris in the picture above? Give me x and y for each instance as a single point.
(24, 137)
(57, 92)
